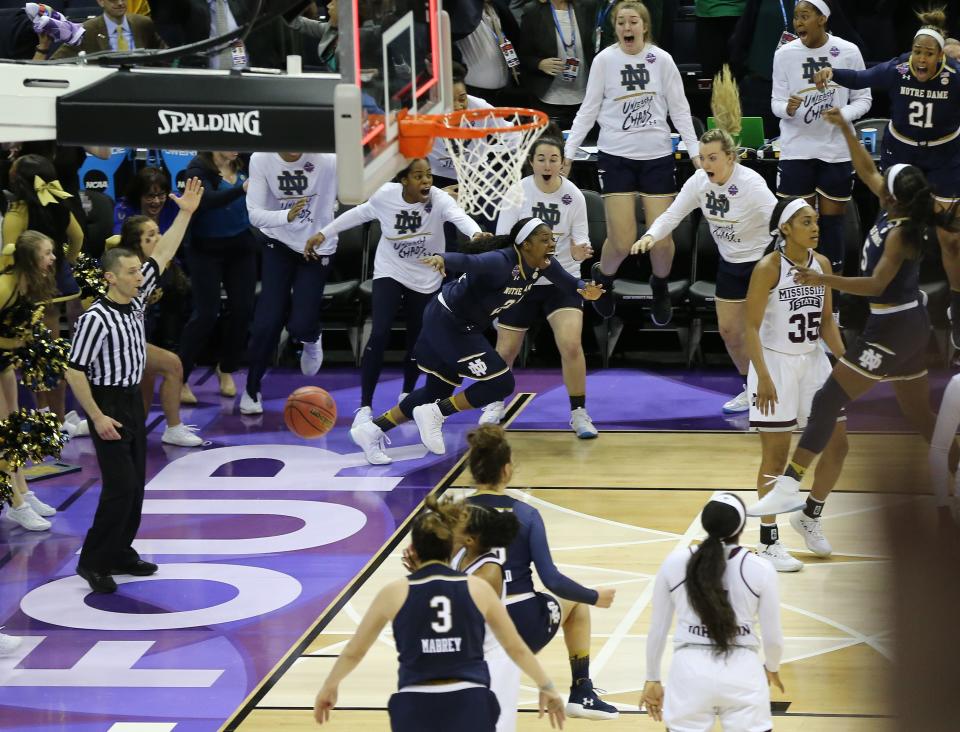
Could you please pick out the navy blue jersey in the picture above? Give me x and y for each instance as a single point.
(923, 112)
(530, 547)
(905, 285)
(439, 631)
(494, 281)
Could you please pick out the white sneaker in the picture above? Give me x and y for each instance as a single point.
(582, 424)
(403, 395)
(81, 429)
(492, 413)
(740, 403)
(779, 557)
(311, 358)
(8, 644)
(39, 507)
(249, 405)
(370, 438)
(364, 414)
(184, 435)
(784, 498)
(26, 517)
(430, 423)
(812, 532)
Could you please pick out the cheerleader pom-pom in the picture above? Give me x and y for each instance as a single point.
(6, 489)
(29, 435)
(43, 360)
(89, 276)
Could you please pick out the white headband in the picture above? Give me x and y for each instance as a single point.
(788, 211)
(895, 170)
(731, 500)
(821, 6)
(935, 35)
(528, 229)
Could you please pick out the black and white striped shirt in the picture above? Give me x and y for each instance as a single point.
(109, 342)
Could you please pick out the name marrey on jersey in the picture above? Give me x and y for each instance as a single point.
(441, 645)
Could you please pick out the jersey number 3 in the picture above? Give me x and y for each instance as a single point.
(444, 620)
(921, 114)
(807, 328)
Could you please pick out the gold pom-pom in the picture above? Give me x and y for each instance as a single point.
(29, 435)
(89, 276)
(42, 360)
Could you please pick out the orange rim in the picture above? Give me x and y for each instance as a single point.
(417, 132)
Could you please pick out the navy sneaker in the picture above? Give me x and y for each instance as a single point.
(661, 309)
(585, 704)
(605, 305)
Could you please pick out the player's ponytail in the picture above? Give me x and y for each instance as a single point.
(725, 106)
(914, 198)
(934, 18)
(490, 528)
(722, 518)
(489, 453)
(432, 533)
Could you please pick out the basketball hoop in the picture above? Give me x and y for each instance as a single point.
(487, 146)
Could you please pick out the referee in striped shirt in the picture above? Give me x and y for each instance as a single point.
(104, 371)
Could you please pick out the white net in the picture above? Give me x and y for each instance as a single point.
(489, 167)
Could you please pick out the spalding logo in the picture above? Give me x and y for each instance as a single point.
(237, 122)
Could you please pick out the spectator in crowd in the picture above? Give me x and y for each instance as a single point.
(491, 51)
(556, 59)
(117, 29)
(148, 194)
(222, 254)
(716, 20)
(267, 46)
(325, 32)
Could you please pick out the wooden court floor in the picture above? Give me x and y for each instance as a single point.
(614, 508)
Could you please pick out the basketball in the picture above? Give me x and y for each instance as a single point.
(310, 412)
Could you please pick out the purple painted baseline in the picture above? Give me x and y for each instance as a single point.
(246, 650)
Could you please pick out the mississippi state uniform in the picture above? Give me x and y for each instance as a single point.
(444, 681)
(924, 128)
(790, 336)
(701, 684)
(631, 96)
(452, 345)
(813, 155)
(738, 214)
(893, 344)
(535, 614)
(565, 211)
(504, 673)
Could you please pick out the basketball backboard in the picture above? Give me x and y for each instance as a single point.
(394, 55)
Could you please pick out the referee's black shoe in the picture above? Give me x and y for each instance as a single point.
(99, 582)
(605, 305)
(139, 568)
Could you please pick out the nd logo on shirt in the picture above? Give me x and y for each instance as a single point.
(292, 183)
(547, 213)
(408, 222)
(636, 106)
(812, 65)
(717, 205)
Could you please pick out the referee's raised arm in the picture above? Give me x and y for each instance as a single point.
(170, 241)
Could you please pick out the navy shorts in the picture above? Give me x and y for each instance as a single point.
(940, 163)
(892, 346)
(537, 619)
(657, 177)
(66, 284)
(454, 350)
(541, 301)
(806, 177)
(733, 279)
(468, 710)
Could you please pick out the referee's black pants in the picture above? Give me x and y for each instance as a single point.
(123, 471)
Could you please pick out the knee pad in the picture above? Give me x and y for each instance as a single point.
(826, 407)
